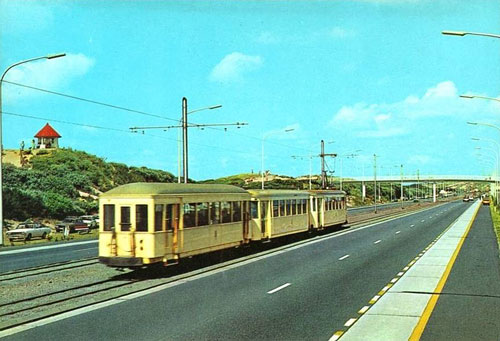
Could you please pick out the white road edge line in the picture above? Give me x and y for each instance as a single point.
(31, 249)
(278, 288)
(343, 257)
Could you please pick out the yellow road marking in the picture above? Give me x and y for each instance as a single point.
(422, 323)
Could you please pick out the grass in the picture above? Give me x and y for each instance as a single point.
(495, 216)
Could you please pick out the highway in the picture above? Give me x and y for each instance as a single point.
(21, 257)
(304, 292)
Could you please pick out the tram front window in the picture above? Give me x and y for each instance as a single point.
(141, 218)
(109, 217)
(125, 218)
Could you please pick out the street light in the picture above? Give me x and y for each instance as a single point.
(482, 97)
(262, 150)
(463, 33)
(50, 56)
(484, 124)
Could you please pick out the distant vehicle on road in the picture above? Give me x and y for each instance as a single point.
(74, 224)
(466, 199)
(90, 220)
(27, 230)
(486, 200)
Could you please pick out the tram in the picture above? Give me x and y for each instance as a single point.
(149, 223)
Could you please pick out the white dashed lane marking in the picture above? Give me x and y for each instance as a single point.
(279, 288)
(412, 225)
(350, 322)
(343, 257)
(398, 232)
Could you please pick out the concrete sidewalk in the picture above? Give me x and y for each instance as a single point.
(420, 302)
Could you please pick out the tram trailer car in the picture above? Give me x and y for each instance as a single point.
(148, 223)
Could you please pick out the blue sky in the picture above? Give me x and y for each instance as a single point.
(369, 75)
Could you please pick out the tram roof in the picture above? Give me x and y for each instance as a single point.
(271, 193)
(156, 188)
(327, 192)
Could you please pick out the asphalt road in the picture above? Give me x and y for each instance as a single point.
(17, 258)
(22, 257)
(304, 292)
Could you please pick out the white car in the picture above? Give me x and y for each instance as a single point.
(26, 231)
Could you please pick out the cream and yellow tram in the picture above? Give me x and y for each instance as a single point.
(275, 213)
(328, 208)
(146, 223)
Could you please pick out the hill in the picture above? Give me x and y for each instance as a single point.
(62, 182)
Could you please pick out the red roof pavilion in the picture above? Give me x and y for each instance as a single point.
(47, 132)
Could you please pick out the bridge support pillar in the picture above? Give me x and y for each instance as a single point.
(363, 191)
(433, 192)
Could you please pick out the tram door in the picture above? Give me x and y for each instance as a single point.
(264, 205)
(172, 220)
(321, 211)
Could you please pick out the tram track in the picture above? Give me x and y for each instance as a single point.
(49, 268)
(116, 285)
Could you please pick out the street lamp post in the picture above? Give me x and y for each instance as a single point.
(462, 33)
(262, 150)
(50, 56)
(482, 97)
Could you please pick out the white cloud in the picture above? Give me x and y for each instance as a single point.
(233, 66)
(398, 118)
(443, 89)
(46, 74)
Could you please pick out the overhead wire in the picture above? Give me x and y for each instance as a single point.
(118, 107)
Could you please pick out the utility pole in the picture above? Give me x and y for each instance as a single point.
(375, 179)
(402, 194)
(184, 140)
(322, 156)
(185, 125)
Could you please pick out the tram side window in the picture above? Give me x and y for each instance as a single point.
(125, 218)
(263, 209)
(288, 208)
(254, 206)
(236, 211)
(276, 208)
(304, 206)
(293, 205)
(214, 213)
(299, 206)
(282, 208)
(225, 212)
(189, 215)
(158, 217)
(202, 210)
(141, 218)
(169, 218)
(109, 217)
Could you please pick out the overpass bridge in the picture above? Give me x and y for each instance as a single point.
(412, 179)
(422, 178)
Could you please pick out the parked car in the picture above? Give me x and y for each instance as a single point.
(90, 220)
(74, 224)
(27, 230)
(465, 199)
